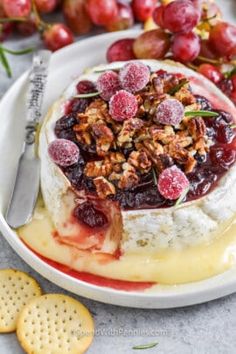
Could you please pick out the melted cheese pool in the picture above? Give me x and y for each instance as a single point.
(165, 267)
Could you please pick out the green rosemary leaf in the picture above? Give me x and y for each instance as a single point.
(201, 114)
(233, 126)
(18, 52)
(103, 70)
(176, 88)
(154, 176)
(5, 63)
(87, 95)
(182, 197)
(145, 346)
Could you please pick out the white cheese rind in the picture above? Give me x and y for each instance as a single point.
(149, 230)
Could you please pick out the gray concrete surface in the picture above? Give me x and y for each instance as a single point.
(208, 328)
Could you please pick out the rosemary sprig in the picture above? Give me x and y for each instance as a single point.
(87, 95)
(201, 114)
(5, 63)
(103, 70)
(182, 196)
(3, 58)
(176, 88)
(233, 126)
(145, 346)
(154, 176)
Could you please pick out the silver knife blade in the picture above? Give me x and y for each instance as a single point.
(27, 181)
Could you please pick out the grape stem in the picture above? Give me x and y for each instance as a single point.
(3, 58)
(13, 19)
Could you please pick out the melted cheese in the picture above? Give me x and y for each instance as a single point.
(165, 267)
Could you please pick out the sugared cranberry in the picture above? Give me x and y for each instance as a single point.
(169, 111)
(172, 182)
(108, 84)
(90, 216)
(85, 86)
(123, 105)
(63, 152)
(223, 158)
(134, 76)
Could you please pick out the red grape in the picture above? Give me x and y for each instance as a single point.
(102, 12)
(206, 50)
(57, 36)
(143, 9)
(211, 72)
(158, 16)
(223, 39)
(76, 16)
(5, 28)
(121, 50)
(45, 6)
(180, 16)
(17, 8)
(152, 44)
(185, 47)
(26, 28)
(124, 20)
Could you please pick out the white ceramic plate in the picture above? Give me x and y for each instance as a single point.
(67, 64)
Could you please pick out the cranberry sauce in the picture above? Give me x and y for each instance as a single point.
(208, 170)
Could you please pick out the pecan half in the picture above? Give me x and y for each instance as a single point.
(140, 160)
(98, 168)
(104, 187)
(103, 137)
(130, 127)
(197, 128)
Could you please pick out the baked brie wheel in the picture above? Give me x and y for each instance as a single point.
(139, 156)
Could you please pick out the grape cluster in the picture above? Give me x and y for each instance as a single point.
(80, 16)
(191, 32)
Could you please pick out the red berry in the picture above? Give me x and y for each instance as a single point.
(121, 50)
(124, 20)
(223, 39)
(57, 36)
(63, 152)
(206, 50)
(170, 112)
(134, 76)
(172, 183)
(152, 44)
(226, 86)
(108, 84)
(211, 72)
(143, 9)
(180, 16)
(123, 105)
(26, 28)
(17, 8)
(102, 12)
(45, 6)
(222, 157)
(85, 86)
(158, 16)
(76, 16)
(185, 47)
(5, 30)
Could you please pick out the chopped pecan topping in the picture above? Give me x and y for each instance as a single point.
(129, 178)
(197, 128)
(104, 187)
(130, 127)
(164, 136)
(140, 160)
(98, 168)
(163, 161)
(103, 136)
(185, 96)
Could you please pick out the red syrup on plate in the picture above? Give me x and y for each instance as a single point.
(93, 279)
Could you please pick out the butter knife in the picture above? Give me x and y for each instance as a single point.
(26, 188)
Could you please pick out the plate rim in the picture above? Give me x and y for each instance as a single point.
(197, 292)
